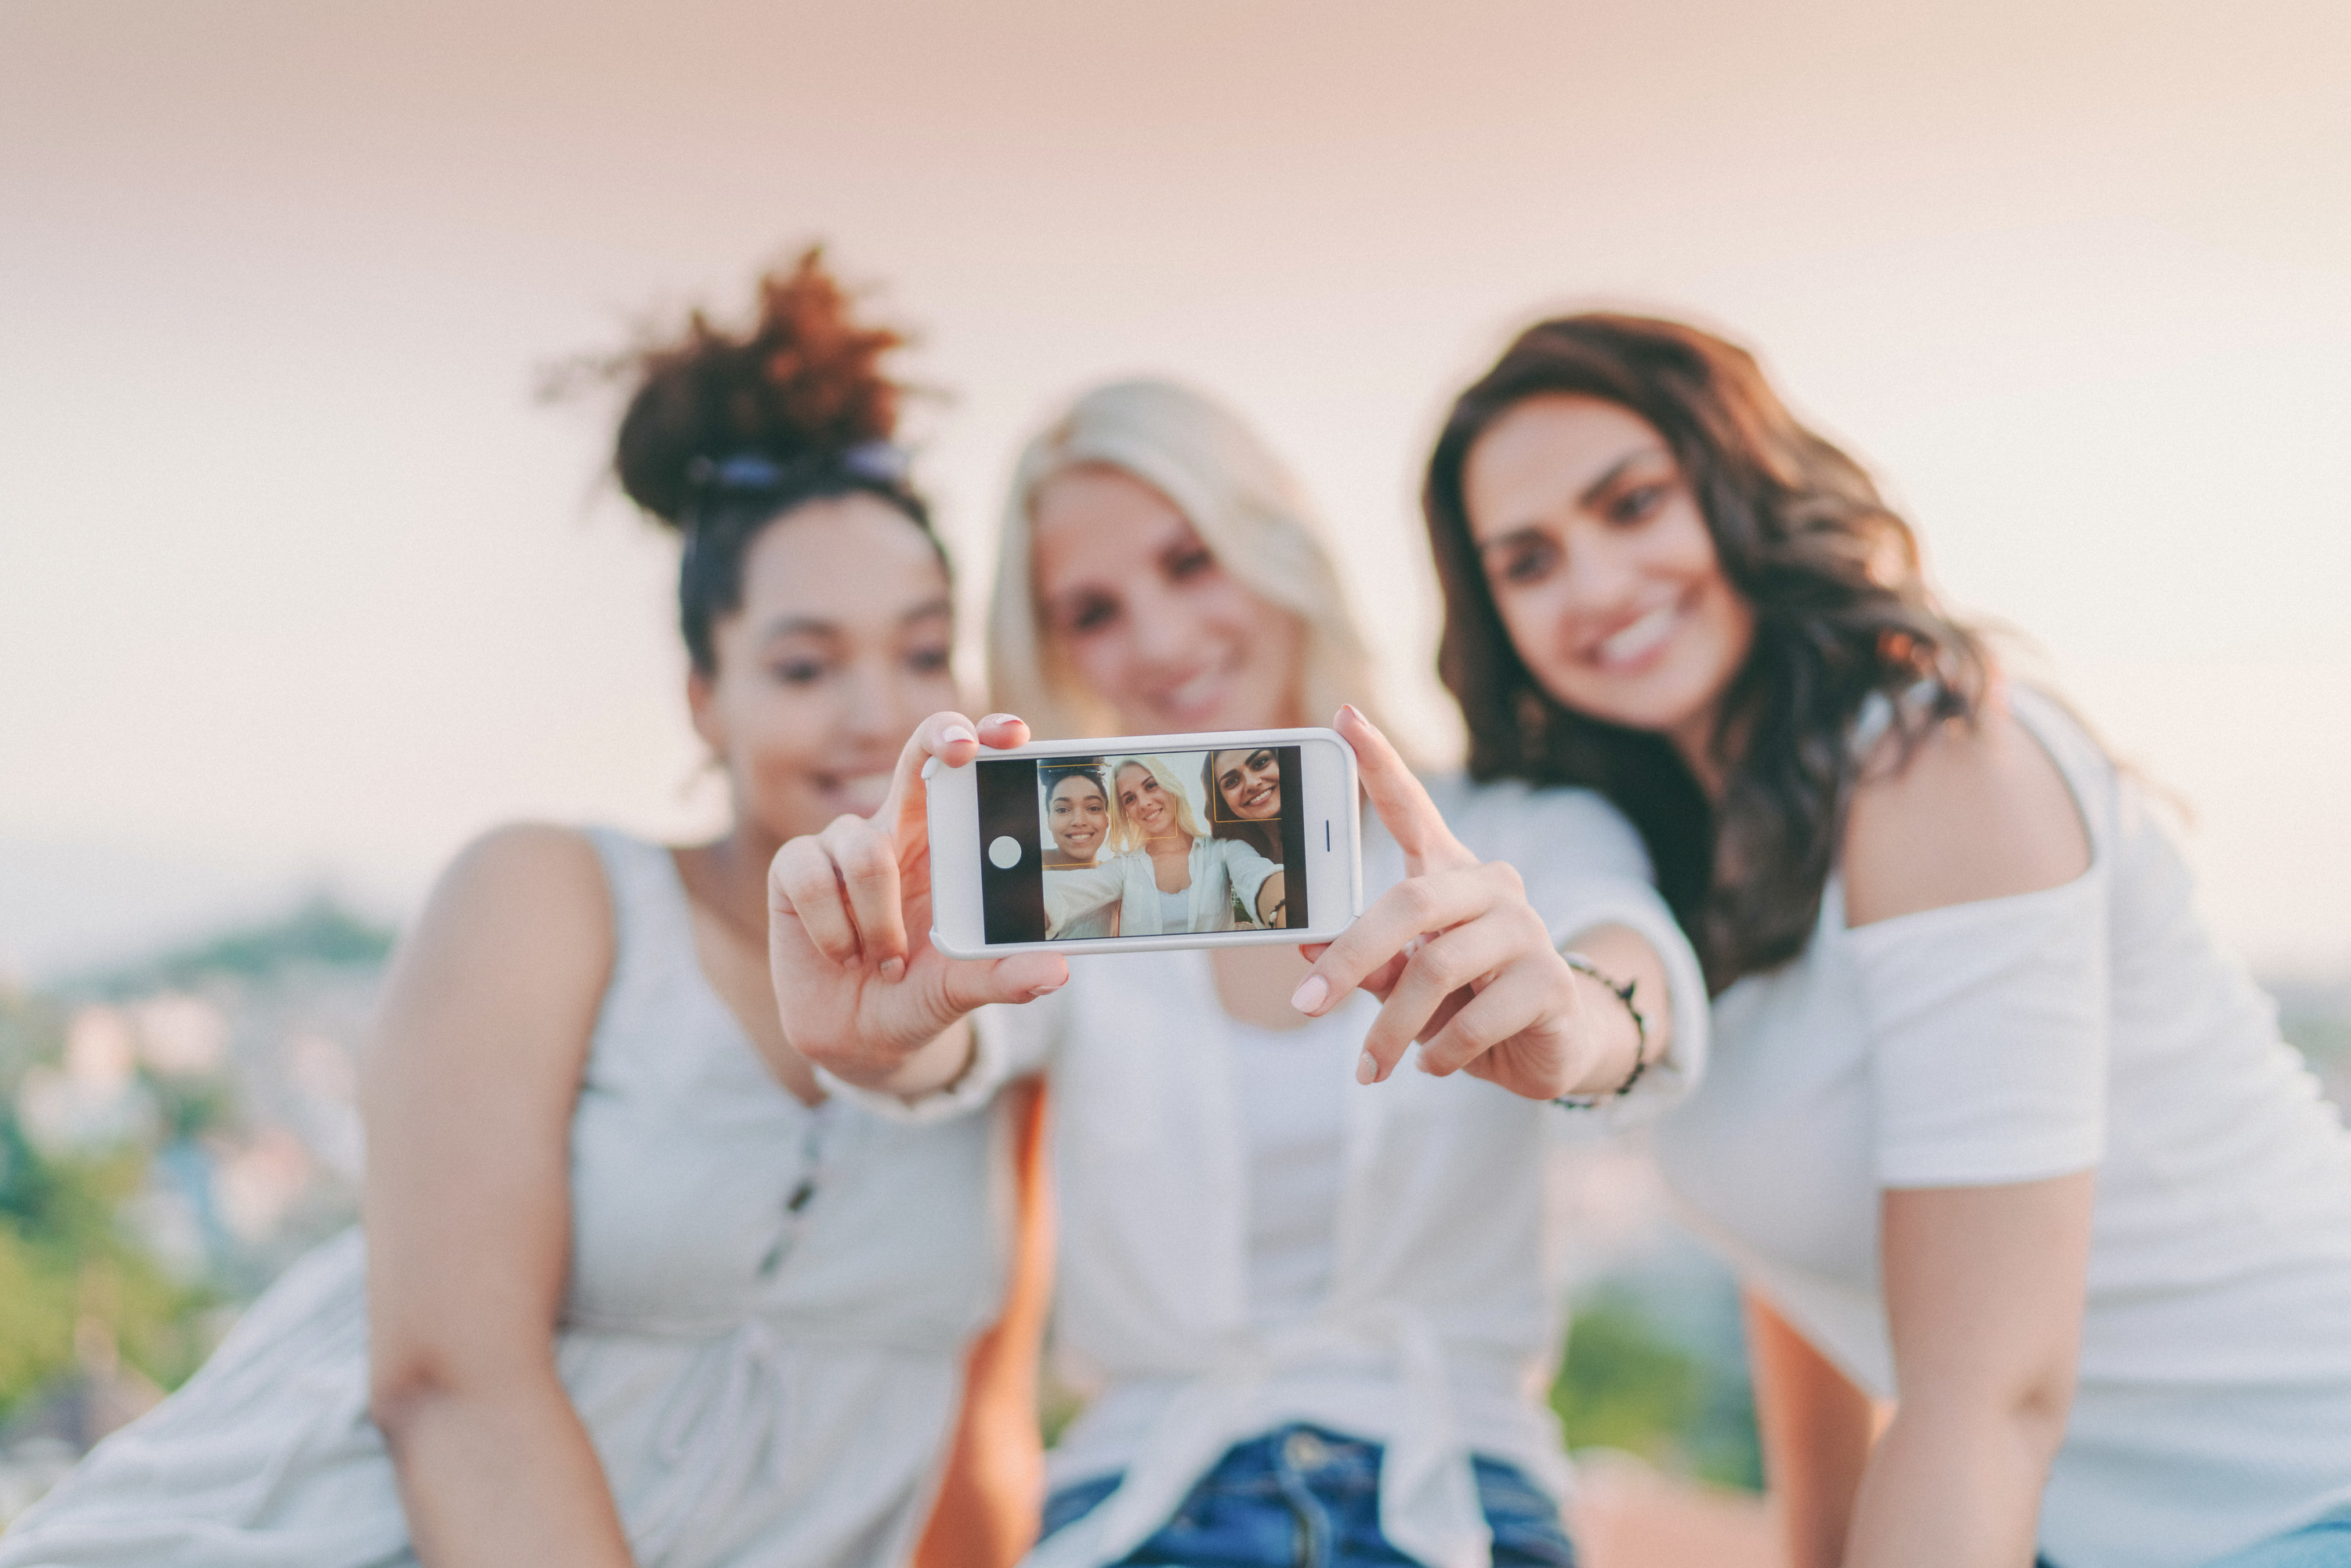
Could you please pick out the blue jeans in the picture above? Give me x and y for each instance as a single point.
(1300, 1497)
(2325, 1544)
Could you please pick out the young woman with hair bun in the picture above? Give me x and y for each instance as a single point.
(1995, 1129)
(630, 1288)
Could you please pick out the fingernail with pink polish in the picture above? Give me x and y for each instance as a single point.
(1311, 993)
(955, 732)
(893, 970)
(1367, 1068)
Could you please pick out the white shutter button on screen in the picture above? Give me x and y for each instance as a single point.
(1004, 852)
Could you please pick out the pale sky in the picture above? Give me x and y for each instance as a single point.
(298, 582)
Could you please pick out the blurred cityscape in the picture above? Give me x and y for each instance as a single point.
(175, 1132)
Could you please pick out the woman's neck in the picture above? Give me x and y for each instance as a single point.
(735, 878)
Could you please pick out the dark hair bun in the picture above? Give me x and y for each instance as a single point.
(805, 381)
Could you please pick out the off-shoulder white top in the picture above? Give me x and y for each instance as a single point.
(2091, 1025)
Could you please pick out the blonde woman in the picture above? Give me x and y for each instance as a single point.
(1165, 874)
(1313, 1316)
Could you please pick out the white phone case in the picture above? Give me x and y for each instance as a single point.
(1334, 871)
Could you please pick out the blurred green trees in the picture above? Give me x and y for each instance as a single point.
(69, 1270)
(1642, 1378)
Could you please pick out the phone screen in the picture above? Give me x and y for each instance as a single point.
(1090, 846)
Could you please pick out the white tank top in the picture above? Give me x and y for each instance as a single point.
(763, 1330)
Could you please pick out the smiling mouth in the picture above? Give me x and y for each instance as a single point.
(1632, 645)
(1197, 697)
(1254, 801)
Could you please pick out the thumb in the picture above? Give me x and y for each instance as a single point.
(1398, 799)
(1015, 979)
(949, 737)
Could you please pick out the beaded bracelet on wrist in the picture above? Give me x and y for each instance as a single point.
(1623, 993)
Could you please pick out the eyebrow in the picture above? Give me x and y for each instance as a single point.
(799, 626)
(1590, 495)
(817, 626)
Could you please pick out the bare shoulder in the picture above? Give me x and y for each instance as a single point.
(520, 923)
(547, 879)
(527, 859)
(1979, 811)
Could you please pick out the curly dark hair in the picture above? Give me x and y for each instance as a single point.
(726, 432)
(1842, 610)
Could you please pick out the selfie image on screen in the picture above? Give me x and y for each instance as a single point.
(1164, 844)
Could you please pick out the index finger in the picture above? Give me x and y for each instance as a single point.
(954, 740)
(1370, 949)
(1398, 799)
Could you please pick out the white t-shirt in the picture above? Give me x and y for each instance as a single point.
(1292, 1088)
(2091, 1025)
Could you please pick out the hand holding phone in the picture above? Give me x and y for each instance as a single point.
(862, 990)
(1458, 958)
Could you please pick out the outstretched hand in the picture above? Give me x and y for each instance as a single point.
(862, 991)
(1459, 958)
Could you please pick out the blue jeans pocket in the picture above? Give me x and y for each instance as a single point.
(1524, 1520)
(1076, 1501)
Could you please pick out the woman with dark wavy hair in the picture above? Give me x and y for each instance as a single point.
(1992, 1121)
(1243, 789)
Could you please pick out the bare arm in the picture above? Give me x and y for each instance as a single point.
(1071, 893)
(1983, 1285)
(1271, 893)
(993, 1492)
(1815, 1427)
(1983, 1292)
(468, 1103)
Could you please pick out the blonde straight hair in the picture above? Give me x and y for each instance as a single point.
(1123, 835)
(1234, 492)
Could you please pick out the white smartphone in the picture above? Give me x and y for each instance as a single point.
(1065, 847)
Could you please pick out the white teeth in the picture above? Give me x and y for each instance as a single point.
(1194, 691)
(1643, 636)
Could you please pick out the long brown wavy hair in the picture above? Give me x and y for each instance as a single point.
(1842, 610)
